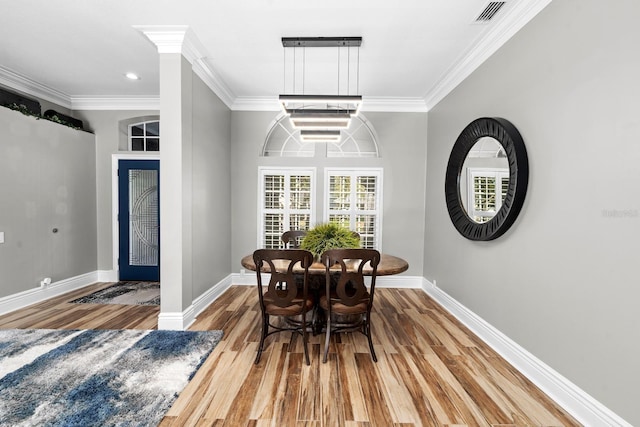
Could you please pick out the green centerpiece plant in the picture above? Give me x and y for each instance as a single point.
(329, 236)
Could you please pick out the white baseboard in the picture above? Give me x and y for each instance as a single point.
(180, 321)
(176, 321)
(400, 281)
(107, 275)
(204, 300)
(32, 296)
(572, 398)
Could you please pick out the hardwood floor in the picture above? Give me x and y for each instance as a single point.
(431, 370)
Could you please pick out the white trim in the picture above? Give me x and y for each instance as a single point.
(399, 105)
(513, 20)
(32, 296)
(573, 399)
(204, 300)
(256, 103)
(369, 103)
(115, 103)
(176, 321)
(107, 275)
(166, 38)
(248, 278)
(31, 87)
(399, 282)
(180, 321)
(209, 76)
(115, 237)
(181, 39)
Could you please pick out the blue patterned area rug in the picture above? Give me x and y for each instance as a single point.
(96, 377)
(128, 293)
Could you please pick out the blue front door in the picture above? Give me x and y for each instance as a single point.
(139, 219)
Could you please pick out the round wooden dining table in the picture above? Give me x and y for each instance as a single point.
(387, 266)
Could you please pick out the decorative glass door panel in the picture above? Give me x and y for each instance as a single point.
(143, 217)
(139, 220)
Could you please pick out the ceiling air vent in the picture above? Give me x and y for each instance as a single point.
(490, 11)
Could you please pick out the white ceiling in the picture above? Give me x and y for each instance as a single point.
(76, 52)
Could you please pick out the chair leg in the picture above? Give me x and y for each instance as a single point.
(327, 335)
(304, 339)
(367, 328)
(263, 336)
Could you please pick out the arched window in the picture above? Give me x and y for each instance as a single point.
(144, 136)
(283, 140)
(352, 196)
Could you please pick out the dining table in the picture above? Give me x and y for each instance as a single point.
(387, 266)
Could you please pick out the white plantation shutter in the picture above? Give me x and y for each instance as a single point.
(353, 199)
(285, 203)
(487, 189)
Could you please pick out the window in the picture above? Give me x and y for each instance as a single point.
(353, 198)
(144, 136)
(486, 190)
(283, 140)
(286, 203)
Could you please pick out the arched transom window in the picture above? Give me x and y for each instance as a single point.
(144, 136)
(283, 140)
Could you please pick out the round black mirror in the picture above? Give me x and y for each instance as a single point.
(486, 178)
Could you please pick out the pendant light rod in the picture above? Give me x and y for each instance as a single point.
(325, 113)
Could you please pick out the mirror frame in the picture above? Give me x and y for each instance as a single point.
(509, 137)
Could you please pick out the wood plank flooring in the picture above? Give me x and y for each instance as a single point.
(431, 370)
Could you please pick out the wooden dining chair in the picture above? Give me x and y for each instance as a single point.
(347, 303)
(283, 297)
(293, 238)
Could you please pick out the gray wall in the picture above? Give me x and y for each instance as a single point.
(211, 177)
(47, 180)
(402, 144)
(562, 282)
(110, 139)
(211, 188)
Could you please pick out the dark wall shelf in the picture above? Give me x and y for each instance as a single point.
(8, 98)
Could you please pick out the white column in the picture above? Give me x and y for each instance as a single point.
(176, 198)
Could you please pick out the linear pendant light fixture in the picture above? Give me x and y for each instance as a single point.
(321, 116)
(320, 135)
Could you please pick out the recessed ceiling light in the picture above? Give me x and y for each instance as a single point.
(132, 76)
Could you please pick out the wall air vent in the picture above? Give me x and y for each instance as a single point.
(489, 11)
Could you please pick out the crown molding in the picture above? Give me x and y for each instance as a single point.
(115, 103)
(383, 104)
(256, 103)
(514, 19)
(214, 82)
(181, 39)
(166, 38)
(388, 104)
(24, 84)
(15, 81)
